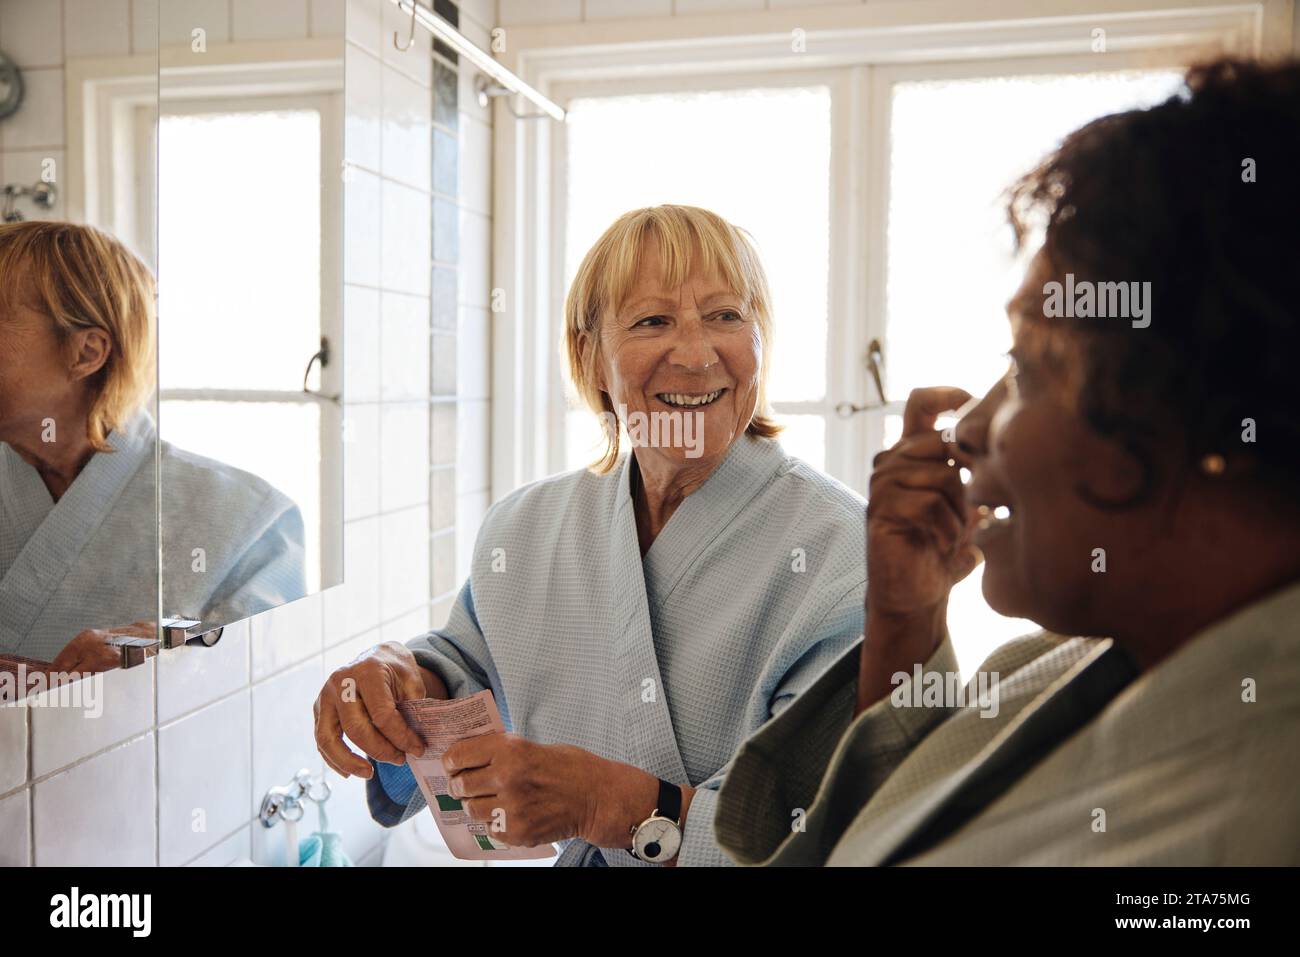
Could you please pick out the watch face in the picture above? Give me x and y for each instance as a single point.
(658, 839)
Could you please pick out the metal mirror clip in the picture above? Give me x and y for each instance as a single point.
(188, 631)
(135, 651)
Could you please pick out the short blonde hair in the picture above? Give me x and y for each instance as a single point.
(688, 238)
(82, 278)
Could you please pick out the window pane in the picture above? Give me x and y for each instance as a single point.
(804, 437)
(276, 441)
(240, 248)
(759, 158)
(955, 145)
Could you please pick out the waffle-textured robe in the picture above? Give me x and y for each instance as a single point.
(750, 590)
(1087, 762)
(90, 560)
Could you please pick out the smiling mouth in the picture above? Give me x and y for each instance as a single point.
(689, 400)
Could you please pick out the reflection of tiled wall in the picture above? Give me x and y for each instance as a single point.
(217, 727)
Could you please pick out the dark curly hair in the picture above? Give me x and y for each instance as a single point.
(1161, 194)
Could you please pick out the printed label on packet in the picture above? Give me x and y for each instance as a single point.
(441, 724)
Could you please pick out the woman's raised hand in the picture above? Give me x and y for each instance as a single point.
(360, 700)
(918, 545)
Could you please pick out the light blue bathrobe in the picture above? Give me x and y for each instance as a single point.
(91, 560)
(752, 589)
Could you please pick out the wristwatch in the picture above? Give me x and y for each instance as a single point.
(658, 838)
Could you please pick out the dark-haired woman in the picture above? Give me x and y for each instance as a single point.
(1134, 485)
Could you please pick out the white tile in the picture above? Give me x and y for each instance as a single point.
(144, 27)
(405, 627)
(621, 9)
(778, 4)
(360, 461)
(404, 455)
(479, 32)
(327, 18)
(407, 130)
(348, 816)
(361, 332)
(405, 344)
(688, 7)
(519, 12)
(15, 830)
(72, 721)
(363, 103)
(233, 849)
(470, 510)
(417, 63)
(284, 729)
(404, 577)
(192, 676)
(475, 287)
(96, 27)
(440, 611)
(361, 231)
(259, 20)
(100, 813)
(13, 745)
(471, 450)
(344, 652)
(473, 354)
(39, 124)
(180, 18)
(31, 32)
(360, 610)
(483, 12)
(203, 778)
(286, 635)
(475, 163)
(407, 239)
(364, 23)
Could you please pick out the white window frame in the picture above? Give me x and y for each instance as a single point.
(878, 43)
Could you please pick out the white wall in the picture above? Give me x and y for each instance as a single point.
(174, 771)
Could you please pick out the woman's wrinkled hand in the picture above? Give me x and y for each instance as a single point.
(532, 794)
(91, 652)
(360, 700)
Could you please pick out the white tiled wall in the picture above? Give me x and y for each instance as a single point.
(192, 741)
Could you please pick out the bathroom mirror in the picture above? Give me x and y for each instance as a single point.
(250, 365)
(78, 527)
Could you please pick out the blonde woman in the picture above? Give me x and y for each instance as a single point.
(78, 523)
(636, 620)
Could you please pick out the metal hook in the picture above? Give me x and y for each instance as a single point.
(322, 356)
(410, 40)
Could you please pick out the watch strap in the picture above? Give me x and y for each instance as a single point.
(670, 802)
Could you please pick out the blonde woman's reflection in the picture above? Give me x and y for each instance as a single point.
(78, 474)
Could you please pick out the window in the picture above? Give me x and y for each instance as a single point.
(955, 144)
(872, 184)
(757, 156)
